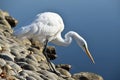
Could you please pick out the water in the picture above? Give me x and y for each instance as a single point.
(98, 21)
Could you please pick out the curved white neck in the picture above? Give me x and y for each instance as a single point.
(68, 39)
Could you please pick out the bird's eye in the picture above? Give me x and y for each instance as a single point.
(84, 45)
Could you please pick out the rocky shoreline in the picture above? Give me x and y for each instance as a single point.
(24, 60)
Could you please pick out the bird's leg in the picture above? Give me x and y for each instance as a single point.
(48, 60)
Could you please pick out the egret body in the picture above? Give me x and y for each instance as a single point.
(47, 27)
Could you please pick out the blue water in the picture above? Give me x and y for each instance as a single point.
(98, 21)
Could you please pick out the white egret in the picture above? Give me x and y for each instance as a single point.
(47, 27)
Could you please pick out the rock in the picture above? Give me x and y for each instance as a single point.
(87, 76)
(12, 21)
(39, 57)
(49, 75)
(43, 65)
(33, 74)
(30, 78)
(31, 57)
(51, 52)
(0, 70)
(64, 66)
(23, 73)
(2, 62)
(14, 66)
(7, 56)
(32, 62)
(3, 21)
(64, 72)
(29, 67)
(9, 20)
(11, 78)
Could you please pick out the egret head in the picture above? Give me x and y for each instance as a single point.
(80, 41)
(83, 44)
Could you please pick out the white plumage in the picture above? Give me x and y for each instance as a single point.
(48, 26)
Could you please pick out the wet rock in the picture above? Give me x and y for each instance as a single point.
(64, 66)
(87, 76)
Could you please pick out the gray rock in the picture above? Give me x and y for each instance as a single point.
(31, 57)
(39, 57)
(15, 52)
(43, 65)
(3, 21)
(64, 66)
(7, 56)
(51, 52)
(32, 62)
(23, 73)
(30, 78)
(33, 74)
(64, 72)
(87, 76)
(0, 70)
(20, 77)
(14, 66)
(49, 75)
(26, 66)
(12, 21)
(2, 62)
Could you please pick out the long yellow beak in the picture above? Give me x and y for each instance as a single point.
(88, 54)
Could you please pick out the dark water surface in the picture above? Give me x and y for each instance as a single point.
(98, 21)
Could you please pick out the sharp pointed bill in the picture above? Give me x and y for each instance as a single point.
(48, 26)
